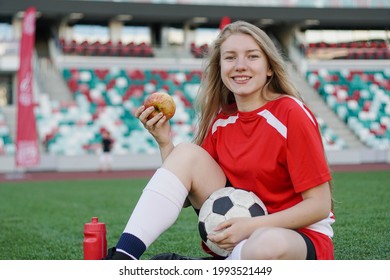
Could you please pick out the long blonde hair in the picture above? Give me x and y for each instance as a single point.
(214, 96)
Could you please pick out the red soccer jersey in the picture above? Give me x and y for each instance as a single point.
(275, 151)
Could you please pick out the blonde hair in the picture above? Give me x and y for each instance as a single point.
(214, 96)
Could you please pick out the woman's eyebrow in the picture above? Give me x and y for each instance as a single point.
(247, 51)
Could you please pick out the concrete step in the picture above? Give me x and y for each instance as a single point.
(54, 84)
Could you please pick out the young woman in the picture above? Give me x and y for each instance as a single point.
(255, 133)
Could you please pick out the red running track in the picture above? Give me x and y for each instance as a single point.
(130, 174)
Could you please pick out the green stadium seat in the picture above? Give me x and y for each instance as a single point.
(7, 146)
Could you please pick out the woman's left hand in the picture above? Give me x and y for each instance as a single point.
(231, 232)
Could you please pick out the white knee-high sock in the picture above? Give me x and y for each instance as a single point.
(236, 253)
(157, 209)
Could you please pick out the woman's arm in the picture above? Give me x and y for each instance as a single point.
(159, 128)
(314, 207)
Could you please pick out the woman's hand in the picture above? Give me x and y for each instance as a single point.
(229, 233)
(158, 127)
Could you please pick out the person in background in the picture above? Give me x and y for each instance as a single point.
(105, 160)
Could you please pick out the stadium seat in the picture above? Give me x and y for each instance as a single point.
(359, 98)
(108, 98)
(7, 145)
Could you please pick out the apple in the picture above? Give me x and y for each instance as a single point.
(162, 102)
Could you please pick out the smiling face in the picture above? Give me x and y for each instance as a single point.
(244, 70)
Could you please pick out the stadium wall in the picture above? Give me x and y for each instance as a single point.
(84, 163)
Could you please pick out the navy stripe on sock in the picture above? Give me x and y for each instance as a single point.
(131, 244)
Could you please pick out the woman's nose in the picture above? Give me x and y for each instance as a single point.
(240, 64)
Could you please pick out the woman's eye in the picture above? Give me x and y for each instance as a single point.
(229, 57)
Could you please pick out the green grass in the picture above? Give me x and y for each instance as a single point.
(362, 228)
(45, 220)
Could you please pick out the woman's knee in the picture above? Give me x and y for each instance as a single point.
(190, 157)
(182, 157)
(183, 152)
(266, 244)
(197, 170)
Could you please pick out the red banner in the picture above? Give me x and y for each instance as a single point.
(27, 152)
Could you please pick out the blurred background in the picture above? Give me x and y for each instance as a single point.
(95, 61)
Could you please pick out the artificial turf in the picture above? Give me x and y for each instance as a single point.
(45, 220)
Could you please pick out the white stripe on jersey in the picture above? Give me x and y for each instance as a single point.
(274, 122)
(224, 122)
(271, 119)
(303, 107)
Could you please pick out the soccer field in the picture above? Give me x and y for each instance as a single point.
(45, 220)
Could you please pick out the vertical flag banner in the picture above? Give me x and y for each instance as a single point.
(27, 153)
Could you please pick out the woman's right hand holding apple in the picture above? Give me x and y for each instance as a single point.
(158, 126)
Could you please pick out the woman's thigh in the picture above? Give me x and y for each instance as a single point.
(197, 170)
(275, 243)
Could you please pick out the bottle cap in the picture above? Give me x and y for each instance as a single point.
(95, 225)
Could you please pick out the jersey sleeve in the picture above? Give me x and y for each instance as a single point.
(306, 158)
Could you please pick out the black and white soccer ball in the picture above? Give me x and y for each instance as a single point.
(225, 204)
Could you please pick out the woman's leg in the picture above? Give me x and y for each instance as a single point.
(274, 243)
(188, 172)
(197, 170)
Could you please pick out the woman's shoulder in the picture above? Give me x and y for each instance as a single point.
(290, 106)
(287, 102)
(295, 108)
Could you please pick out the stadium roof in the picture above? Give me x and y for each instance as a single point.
(178, 14)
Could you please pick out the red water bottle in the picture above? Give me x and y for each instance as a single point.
(95, 242)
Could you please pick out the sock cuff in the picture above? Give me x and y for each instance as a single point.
(236, 253)
(166, 183)
(138, 247)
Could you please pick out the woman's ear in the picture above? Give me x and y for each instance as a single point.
(270, 72)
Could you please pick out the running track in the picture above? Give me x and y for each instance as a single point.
(130, 174)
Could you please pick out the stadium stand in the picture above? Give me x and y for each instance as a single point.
(199, 51)
(6, 142)
(106, 99)
(109, 48)
(373, 49)
(107, 77)
(361, 99)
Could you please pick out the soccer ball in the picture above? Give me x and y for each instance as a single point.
(224, 204)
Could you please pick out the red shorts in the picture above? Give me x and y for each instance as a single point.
(322, 244)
